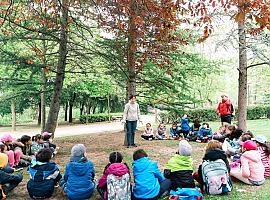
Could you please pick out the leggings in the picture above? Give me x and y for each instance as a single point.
(14, 157)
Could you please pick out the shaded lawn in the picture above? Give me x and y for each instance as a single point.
(99, 147)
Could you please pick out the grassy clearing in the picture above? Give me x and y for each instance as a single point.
(99, 147)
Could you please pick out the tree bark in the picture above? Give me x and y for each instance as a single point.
(242, 81)
(71, 103)
(60, 75)
(82, 108)
(39, 113)
(66, 112)
(43, 89)
(13, 111)
(131, 82)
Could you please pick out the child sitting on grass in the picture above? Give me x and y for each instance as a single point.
(184, 125)
(161, 132)
(213, 152)
(12, 150)
(44, 175)
(175, 131)
(252, 170)
(148, 133)
(264, 148)
(8, 181)
(78, 180)
(195, 128)
(205, 133)
(117, 168)
(47, 138)
(149, 181)
(37, 143)
(179, 168)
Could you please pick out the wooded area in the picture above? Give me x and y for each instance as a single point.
(92, 55)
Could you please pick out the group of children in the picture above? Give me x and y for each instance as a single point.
(228, 153)
(197, 132)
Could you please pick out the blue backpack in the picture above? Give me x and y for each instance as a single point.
(186, 194)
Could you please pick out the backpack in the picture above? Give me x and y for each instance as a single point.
(118, 187)
(216, 177)
(186, 194)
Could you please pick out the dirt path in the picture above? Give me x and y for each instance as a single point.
(75, 129)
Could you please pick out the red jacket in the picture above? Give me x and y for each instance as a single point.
(225, 107)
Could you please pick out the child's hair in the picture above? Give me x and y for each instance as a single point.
(115, 157)
(160, 124)
(213, 144)
(46, 137)
(148, 124)
(2, 147)
(25, 138)
(37, 137)
(231, 128)
(196, 121)
(250, 133)
(206, 124)
(140, 153)
(245, 137)
(44, 155)
(174, 124)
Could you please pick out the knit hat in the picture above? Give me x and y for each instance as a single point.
(3, 160)
(185, 149)
(78, 150)
(7, 138)
(249, 145)
(261, 139)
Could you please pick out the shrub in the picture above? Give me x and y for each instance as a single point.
(257, 112)
(100, 117)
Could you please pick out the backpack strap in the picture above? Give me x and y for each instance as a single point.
(2, 193)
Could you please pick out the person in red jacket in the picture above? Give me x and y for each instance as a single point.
(225, 109)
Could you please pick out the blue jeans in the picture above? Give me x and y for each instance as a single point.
(131, 127)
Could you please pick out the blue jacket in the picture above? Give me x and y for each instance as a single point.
(185, 124)
(79, 178)
(174, 132)
(43, 177)
(205, 132)
(147, 178)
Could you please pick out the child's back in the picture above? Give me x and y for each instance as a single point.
(79, 175)
(180, 167)
(149, 182)
(44, 175)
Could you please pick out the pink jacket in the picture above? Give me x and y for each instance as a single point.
(118, 169)
(252, 166)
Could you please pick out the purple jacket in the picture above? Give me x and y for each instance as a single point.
(117, 169)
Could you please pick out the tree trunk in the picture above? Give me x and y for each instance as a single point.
(60, 75)
(131, 83)
(82, 108)
(39, 113)
(13, 111)
(131, 47)
(109, 109)
(66, 112)
(43, 89)
(71, 107)
(242, 81)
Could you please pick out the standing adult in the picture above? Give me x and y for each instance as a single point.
(225, 109)
(130, 117)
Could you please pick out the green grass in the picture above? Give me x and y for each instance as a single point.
(99, 146)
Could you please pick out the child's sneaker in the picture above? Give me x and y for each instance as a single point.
(17, 168)
(198, 141)
(150, 139)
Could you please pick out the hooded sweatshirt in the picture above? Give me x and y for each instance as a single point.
(147, 178)
(224, 107)
(252, 166)
(179, 170)
(79, 178)
(117, 169)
